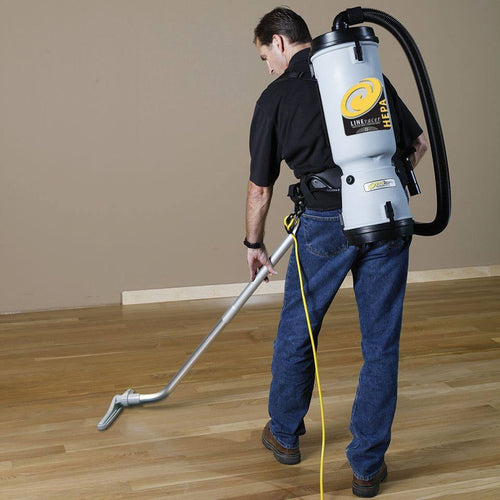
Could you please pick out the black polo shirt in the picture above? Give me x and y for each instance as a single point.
(288, 125)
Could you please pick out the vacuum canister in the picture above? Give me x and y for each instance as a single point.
(358, 120)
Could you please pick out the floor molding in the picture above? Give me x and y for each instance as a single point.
(234, 289)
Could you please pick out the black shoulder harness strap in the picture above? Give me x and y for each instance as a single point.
(300, 75)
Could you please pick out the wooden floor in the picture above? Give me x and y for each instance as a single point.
(59, 371)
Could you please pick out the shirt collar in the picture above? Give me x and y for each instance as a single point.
(299, 61)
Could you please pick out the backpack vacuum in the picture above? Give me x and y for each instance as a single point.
(358, 120)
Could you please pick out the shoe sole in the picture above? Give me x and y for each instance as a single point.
(282, 458)
(368, 491)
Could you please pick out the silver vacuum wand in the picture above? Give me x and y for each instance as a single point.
(131, 398)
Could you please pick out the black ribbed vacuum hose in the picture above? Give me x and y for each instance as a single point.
(436, 140)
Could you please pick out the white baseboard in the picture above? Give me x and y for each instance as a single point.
(234, 289)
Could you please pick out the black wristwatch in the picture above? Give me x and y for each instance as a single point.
(253, 246)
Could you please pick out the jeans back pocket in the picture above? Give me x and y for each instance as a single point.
(323, 234)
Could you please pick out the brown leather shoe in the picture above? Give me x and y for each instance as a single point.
(369, 489)
(287, 456)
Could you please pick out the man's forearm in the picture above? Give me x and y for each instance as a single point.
(258, 202)
(421, 145)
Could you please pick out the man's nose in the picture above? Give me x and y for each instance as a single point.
(269, 68)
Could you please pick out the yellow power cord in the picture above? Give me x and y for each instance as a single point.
(291, 223)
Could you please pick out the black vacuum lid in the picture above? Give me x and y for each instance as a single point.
(345, 35)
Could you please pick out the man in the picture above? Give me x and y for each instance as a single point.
(287, 124)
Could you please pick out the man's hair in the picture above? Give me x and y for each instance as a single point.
(282, 21)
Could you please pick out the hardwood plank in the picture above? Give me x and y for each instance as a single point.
(59, 370)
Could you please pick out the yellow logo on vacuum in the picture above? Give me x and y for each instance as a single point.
(360, 98)
(380, 184)
(364, 108)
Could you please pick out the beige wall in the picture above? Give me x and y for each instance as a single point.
(124, 140)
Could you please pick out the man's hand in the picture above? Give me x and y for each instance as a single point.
(256, 259)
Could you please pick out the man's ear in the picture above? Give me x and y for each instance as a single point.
(279, 42)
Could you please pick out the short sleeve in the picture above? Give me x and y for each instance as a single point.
(264, 149)
(406, 127)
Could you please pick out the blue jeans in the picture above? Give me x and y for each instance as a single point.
(379, 273)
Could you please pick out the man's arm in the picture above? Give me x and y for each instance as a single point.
(258, 203)
(421, 145)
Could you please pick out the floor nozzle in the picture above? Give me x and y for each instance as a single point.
(118, 402)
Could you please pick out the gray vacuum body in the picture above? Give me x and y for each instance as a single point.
(359, 125)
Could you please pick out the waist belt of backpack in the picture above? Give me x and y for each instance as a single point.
(320, 191)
